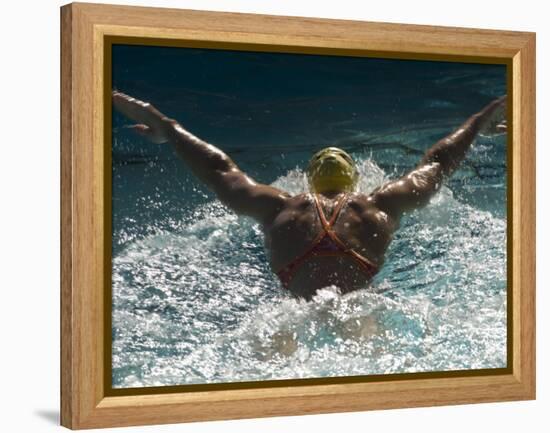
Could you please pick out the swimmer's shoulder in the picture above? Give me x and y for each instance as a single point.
(299, 201)
(366, 208)
(356, 201)
(295, 205)
(359, 202)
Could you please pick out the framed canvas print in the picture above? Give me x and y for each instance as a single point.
(266, 215)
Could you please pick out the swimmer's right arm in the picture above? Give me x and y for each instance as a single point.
(208, 163)
(415, 189)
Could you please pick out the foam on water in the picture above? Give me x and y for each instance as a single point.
(197, 303)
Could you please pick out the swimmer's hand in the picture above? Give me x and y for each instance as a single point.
(151, 123)
(494, 118)
(495, 128)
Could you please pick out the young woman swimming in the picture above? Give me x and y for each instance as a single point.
(331, 235)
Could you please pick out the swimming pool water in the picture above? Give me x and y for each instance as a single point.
(194, 300)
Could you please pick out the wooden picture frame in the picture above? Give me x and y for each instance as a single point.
(86, 29)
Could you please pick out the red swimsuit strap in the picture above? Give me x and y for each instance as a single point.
(288, 271)
(327, 225)
(369, 268)
(326, 230)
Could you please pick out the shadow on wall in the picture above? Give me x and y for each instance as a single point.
(50, 415)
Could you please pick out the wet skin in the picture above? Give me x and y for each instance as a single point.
(366, 223)
(360, 224)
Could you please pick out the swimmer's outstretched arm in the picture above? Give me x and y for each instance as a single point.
(415, 189)
(208, 163)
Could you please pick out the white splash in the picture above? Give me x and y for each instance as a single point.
(198, 304)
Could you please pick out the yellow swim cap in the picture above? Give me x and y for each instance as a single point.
(332, 169)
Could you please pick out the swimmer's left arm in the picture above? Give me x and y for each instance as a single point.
(409, 192)
(451, 150)
(415, 189)
(209, 164)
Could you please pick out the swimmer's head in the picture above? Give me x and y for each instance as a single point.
(332, 169)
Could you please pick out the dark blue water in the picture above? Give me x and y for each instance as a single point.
(193, 298)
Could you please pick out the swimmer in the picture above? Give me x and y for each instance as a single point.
(331, 235)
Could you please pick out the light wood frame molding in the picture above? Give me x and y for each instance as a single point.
(85, 402)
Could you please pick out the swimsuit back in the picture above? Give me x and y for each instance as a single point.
(327, 243)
